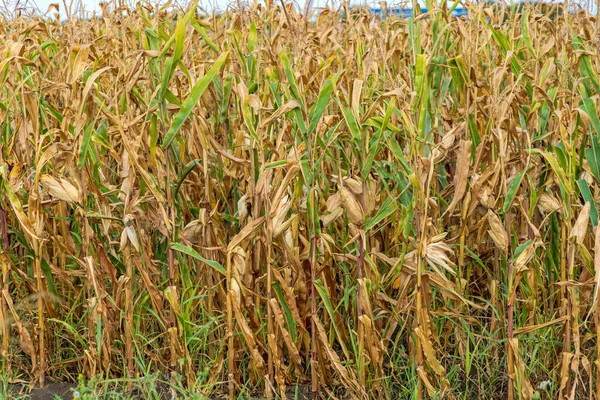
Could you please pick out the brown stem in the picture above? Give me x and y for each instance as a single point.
(597, 322)
(40, 309)
(4, 283)
(269, 392)
(419, 305)
(569, 324)
(509, 314)
(360, 266)
(313, 330)
(170, 216)
(565, 306)
(129, 316)
(171, 258)
(208, 243)
(230, 350)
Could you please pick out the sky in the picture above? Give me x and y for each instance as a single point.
(221, 5)
(209, 5)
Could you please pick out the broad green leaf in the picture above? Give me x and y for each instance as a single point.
(512, 190)
(520, 249)
(49, 278)
(587, 196)
(563, 181)
(290, 77)
(330, 310)
(351, 122)
(289, 317)
(166, 78)
(318, 108)
(276, 164)
(83, 151)
(525, 32)
(193, 253)
(386, 209)
(313, 212)
(180, 26)
(193, 98)
(374, 148)
(585, 65)
(394, 146)
(153, 137)
(188, 169)
(592, 154)
(202, 32)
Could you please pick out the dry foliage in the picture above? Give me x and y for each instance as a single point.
(403, 208)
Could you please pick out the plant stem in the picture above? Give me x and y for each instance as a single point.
(230, 349)
(313, 331)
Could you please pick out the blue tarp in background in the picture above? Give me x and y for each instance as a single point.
(408, 12)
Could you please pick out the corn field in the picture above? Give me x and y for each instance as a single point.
(259, 200)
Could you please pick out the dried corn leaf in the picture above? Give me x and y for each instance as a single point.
(497, 231)
(61, 189)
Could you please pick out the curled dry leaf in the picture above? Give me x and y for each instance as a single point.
(497, 231)
(192, 231)
(61, 189)
(547, 203)
(526, 387)
(437, 254)
(248, 335)
(461, 175)
(354, 185)
(129, 234)
(352, 206)
(525, 257)
(580, 227)
(242, 208)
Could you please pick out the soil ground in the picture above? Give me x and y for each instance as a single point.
(64, 391)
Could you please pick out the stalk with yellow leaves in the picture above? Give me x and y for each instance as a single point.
(230, 342)
(128, 237)
(314, 226)
(3, 282)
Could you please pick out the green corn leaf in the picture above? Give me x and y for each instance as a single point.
(512, 190)
(164, 84)
(386, 209)
(585, 66)
(85, 144)
(49, 278)
(224, 106)
(525, 32)
(587, 196)
(188, 169)
(592, 154)
(351, 121)
(374, 148)
(318, 108)
(394, 146)
(313, 212)
(202, 32)
(287, 313)
(190, 102)
(563, 181)
(330, 310)
(291, 80)
(520, 249)
(193, 253)
(276, 164)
